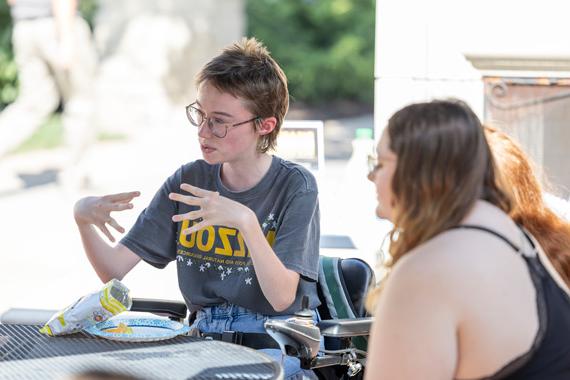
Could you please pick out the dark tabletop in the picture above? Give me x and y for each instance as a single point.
(25, 353)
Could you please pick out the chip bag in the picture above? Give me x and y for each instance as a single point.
(93, 308)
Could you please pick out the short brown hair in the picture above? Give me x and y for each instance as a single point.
(247, 70)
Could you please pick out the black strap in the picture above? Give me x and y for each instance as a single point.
(485, 229)
(257, 341)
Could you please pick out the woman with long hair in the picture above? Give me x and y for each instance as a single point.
(466, 296)
(529, 207)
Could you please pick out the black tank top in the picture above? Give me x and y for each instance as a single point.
(549, 355)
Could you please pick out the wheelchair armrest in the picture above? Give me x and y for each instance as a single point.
(171, 309)
(345, 328)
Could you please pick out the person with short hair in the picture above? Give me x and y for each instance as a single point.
(468, 294)
(241, 224)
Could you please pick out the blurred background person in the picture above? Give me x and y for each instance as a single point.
(530, 208)
(56, 62)
(522, 175)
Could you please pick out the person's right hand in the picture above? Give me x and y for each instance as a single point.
(97, 211)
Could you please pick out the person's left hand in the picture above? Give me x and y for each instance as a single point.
(213, 209)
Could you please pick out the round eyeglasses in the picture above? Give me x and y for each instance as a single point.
(372, 162)
(217, 126)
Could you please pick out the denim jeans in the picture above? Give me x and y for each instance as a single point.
(225, 317)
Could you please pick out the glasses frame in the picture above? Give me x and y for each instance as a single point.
(372, 162)
(205, 118)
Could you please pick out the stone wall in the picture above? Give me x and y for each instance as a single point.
(150, 52)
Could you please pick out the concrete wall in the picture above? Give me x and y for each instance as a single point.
(422, 51)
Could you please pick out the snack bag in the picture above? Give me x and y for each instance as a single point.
(91, 309)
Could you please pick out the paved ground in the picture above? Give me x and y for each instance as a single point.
(43, 265)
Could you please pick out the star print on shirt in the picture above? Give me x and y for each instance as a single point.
(223, 275)
(229, 271)
(271, 216)
(202, 268)
(189, 263)
(248, 281)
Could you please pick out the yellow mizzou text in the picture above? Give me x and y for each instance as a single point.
(230, 242)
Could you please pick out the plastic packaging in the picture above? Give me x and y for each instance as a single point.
(93, 308)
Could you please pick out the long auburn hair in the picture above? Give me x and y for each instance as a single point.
(444, 165)
(529, 209)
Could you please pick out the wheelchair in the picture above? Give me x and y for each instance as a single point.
(344, 327)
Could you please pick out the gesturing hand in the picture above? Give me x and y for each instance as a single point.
(213, 209)
(97, 211)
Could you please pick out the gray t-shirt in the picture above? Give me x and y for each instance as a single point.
(214, 264)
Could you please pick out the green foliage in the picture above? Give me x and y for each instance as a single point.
(108, 136)
(8, 71)
(48, 136)
(88, 9)
(326, 47)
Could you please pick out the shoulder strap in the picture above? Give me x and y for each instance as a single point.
(529, 238)
(488, 230)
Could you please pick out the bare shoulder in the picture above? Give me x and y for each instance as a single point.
(429, 271)
(456, 263)
(443, 255)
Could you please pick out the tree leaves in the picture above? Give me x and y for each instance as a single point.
(326, 47)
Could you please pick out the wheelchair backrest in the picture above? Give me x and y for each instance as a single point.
(342, 286)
